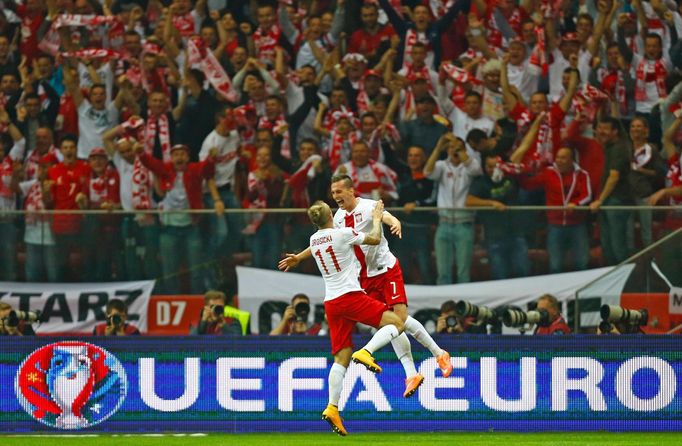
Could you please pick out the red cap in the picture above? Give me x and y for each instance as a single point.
(569, 37)
(98, 151)
(180, 147)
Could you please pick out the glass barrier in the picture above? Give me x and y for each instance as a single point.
(189, 252)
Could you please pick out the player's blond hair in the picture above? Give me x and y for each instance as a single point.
(319, 213)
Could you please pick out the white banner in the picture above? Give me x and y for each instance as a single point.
(77, 307)
(257, 286)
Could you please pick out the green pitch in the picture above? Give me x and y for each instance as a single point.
(374, 439)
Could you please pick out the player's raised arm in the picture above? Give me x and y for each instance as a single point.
(393, 224)
(374, 237)
(292, 260)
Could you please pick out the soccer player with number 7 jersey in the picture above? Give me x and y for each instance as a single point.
(381, 277)
(345, 303)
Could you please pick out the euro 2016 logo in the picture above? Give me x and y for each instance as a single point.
(71, 384)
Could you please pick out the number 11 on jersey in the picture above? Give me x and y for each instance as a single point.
(330, 251)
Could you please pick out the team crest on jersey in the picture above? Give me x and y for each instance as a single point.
(358, 218)
(71, 385)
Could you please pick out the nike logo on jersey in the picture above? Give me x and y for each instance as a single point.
(395, 297)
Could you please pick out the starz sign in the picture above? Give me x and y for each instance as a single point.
(71, 385)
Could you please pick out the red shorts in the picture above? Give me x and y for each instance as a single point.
(388, 287)
(344, 311)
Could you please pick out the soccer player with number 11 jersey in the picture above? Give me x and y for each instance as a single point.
(380, 276)
(345, 303)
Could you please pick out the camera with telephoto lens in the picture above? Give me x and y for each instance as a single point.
(467, 309)
(302, 310)
(115, 320)
(15, 316)
(614, 313)
(518, 318)
(218, 310)
(451, 321)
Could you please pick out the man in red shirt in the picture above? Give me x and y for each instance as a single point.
(557, 325)
(68, 187)
(565, 184)
(181, 184)
(101, 231)
(373, 39)
(116, 325)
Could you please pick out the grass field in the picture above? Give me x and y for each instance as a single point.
(374, 439)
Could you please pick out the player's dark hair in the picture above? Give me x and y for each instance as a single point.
(345, 178)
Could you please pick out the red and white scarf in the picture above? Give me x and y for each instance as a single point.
(87, 21)
(275, 125)
(640, 157)
(93, 53)
(650, 71)
(459, 75)
(100, 187)
(544, 151)
(613, 82)
(198, 54)
(494, 36)
(33, 159)
(383, 178)
(266, 42)
(332, 116)
(588, 100)
(51, 41)
(539, 55)
(141, 187)
(260, 202)
(33, 203)
(6, 169)
(412, 37)
(440, 7)
(164, 135)
(185, 24)
(335, 147)
(674, 177)
(298, 182)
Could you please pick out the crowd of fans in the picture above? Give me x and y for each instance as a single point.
(224, 104)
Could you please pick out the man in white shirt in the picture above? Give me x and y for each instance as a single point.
(471, 117)
(226, 140)
(455, 233)
(345, 303)
(140, 232)
(95, 115)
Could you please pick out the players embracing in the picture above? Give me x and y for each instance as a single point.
(380, 275)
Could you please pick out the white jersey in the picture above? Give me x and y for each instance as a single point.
(334, 254)
(378, 258)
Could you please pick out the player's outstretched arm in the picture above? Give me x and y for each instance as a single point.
(393, 224)
(374, 237)
(291, 260)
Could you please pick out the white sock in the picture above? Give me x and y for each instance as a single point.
(336, 375)
(403, 351)
(381, 338)
(415, 329)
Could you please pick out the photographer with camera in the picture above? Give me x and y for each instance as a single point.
(454, 321)
(295, 319)
(219, 318)
(618, 320)
(546, 317)
(116, 325)
(447, 321)
(554, 323)
(16, 323)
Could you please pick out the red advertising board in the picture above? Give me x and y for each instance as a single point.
(173, 315)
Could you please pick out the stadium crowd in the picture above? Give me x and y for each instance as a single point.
(224, 104)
